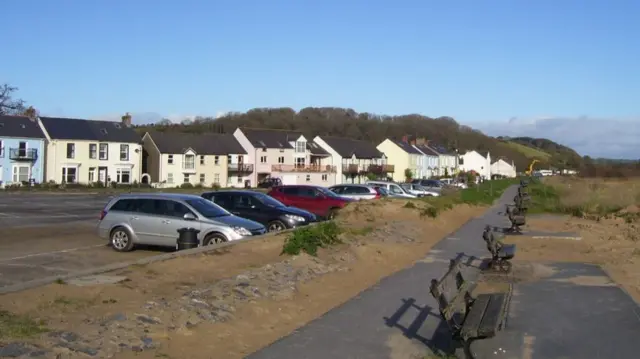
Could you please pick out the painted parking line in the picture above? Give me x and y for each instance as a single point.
(68, 250)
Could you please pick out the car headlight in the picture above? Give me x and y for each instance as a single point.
(241, 231)
(294, 218)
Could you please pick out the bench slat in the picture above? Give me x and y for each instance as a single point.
(474, 317)
(494, 315)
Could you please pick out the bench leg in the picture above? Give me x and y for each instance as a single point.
(500, 265)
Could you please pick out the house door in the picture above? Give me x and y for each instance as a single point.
(102, 175)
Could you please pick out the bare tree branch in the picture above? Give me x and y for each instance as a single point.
(9, 105)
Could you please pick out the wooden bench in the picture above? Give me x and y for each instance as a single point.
(501, 254)
(517, 219)
(469, 318)
(521, 204)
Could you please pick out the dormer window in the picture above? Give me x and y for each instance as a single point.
(301, 146)
(116, 125)
(104, 131)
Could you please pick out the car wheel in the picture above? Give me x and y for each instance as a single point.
(276, 226)
(120, 240)
(213, 238)
(332, 214)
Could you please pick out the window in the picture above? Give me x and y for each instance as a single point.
(124, 152)
(92, 174)
(202, 160)
(301, 147)
(308, 179)
(216, 160)
(202, 178)
(71, 150)
(69, 174)
(176, 209)
(216, 178)
(104, 151)
(230, 180)
(125, 205)
(244, 202)
(229, 159)
(395, 189)
(282, 150)
(461, 161)
(280, 159)
(206, 208)
(324, 178)
(123, 175)
(189, 162)
(300, 162)
(20, 174)
(169, 177)
(186, 178)
(1, 149)
(239, 179)
(170, 159)
(263, 159)
(93, 151)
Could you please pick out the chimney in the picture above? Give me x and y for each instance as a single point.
(413, 142)
(126, 119)
(405, 138)
(421, 141)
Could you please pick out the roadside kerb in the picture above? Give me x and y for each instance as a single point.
(142, 261)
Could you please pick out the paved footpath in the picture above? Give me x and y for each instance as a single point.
(398, 318)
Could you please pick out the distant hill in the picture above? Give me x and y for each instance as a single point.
(345, 122)
(547, 152)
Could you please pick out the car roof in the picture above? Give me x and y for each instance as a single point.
(160, 195)
(236, 192)
(297, 185)
(351, 185)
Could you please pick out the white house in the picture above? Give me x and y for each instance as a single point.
(474, 161)
(287, 155)
(87, 151)
(447, 160)
(503, 168)
(355, 160)
(430, 160)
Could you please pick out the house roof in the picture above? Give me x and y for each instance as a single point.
(88, 130)
(427, 150)
(20, 126)
(347, 147)
(441, 150)
(266, 138)
(406, 147)
(201, 143)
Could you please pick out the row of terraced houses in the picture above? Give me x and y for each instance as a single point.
(63, 150)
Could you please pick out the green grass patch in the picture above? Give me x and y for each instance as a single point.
(310, 238)
(548, 199)
(527, 151)
(486, 192)
(19, 327)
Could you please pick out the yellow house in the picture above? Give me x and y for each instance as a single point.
(87, 151)
(404, 156)
(174, 158)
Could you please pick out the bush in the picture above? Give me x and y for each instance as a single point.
(186, 185)
(309, 239)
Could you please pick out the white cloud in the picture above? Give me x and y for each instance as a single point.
(596, 137)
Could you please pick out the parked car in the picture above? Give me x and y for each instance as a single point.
(356, 191)
(261, 208)
(381, 190)
(453, 183)
(269, 182)
(394, 189)
(315, 199)
(419, 191)
(154, 219)
(430, 184)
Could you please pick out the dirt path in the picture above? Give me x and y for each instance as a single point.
(613, 244)
(228, 303)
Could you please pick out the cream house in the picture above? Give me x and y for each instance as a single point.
(174, 158)
(356, 161)
(503, 168)
(477, 162)
(87, 151)
(405, 157)
(287, 155)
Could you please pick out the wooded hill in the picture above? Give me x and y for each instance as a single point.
(344, 122)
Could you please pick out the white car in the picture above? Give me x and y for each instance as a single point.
(394, 189)
(419, 191)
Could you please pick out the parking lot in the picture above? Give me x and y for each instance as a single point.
(44, 235)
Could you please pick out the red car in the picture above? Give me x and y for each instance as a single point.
(315, 199)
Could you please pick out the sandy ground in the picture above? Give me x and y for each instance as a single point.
(264, 295)
(613, 244)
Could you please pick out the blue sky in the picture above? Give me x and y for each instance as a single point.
(548, 68)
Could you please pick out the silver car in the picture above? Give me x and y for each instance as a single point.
(155, 218)
(355, 191)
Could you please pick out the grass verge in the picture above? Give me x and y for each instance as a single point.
(19, 327)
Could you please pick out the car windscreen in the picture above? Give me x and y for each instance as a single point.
(207, 208)
(327, 192)
(269, 201)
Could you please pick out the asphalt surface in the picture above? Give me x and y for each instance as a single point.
(398, 317)
(44, 235)
(41, 209)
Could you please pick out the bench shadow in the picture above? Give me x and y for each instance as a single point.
(441, 341)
